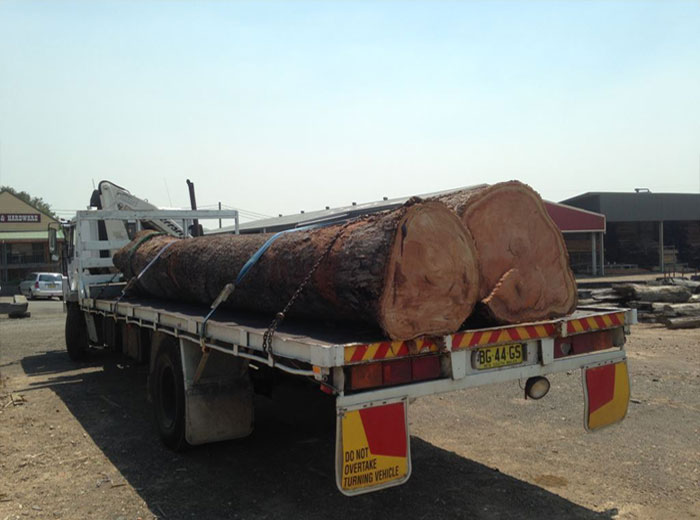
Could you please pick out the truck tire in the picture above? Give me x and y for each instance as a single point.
(168, 391)
(76, 333)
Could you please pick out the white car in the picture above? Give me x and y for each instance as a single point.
(42, 285)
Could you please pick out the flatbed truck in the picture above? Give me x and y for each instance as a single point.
(200, 362)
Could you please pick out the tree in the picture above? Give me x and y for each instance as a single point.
(37, 202)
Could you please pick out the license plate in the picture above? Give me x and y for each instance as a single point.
(500, 356)
(52, 286)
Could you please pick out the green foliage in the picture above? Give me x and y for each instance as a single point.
(37, 202)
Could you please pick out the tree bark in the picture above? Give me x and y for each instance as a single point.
(411, 271)
(681, 309)
(683, 323)
(524, 264)
(653, 293)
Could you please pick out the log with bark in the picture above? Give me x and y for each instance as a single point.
(411, 271)
(682, 323)
(524, 264)
(653, 293)
(679, 309)
(692, 285)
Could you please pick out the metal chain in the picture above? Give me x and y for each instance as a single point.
(267, 337)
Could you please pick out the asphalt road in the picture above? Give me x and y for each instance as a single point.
(78, 441)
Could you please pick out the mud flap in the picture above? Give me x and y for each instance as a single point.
(218, 403)
(606, 391)
(372, 446)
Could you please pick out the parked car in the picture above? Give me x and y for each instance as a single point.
(42, 285)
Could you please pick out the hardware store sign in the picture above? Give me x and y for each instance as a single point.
(15, 218)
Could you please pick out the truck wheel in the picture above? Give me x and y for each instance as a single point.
(168, 391)
(76, 333)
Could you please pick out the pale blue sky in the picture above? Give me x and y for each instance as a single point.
(281, 106)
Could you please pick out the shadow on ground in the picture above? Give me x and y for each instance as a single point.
(284, 470)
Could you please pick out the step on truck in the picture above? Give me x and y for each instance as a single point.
(201, 361)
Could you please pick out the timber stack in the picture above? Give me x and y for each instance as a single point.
(412, 271)
(524, 264)
(674, 302)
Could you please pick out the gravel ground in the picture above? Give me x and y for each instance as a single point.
(78, 441)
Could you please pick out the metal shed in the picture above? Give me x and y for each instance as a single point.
(648, 230)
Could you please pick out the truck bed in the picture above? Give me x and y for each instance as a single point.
(335, 345)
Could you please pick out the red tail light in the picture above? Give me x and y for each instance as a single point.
(426, 368)
(36, 285)
(366, 376)
(395, 372)
(582, 343)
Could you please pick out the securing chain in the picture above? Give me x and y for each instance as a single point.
(279, 317)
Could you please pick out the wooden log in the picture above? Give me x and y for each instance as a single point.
(692, 285)
(682, 309)
(411, 271)
(651, 293)
(683, 323)
(585, 294)
(524, 264)
(642, 306)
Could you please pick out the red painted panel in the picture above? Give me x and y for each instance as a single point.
(385, 427)
(601, 386)
(568, 218)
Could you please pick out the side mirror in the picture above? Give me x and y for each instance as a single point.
(52, 241)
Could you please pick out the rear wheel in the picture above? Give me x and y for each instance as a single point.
(168, 392)
(76, 333)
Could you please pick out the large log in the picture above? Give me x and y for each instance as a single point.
(653, 293)
(680, 309)
(412, 271)
(691, 322)
(524, 264)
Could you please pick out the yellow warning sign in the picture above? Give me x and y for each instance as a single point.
(374, 448)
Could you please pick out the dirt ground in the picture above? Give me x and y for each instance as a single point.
(78, 441)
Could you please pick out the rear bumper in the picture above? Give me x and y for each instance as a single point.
(45, 293)
(462, 379)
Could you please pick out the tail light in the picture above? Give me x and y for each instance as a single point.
(395, 372)
(426, 368)
(36, 285)
(366, 376)
(583, 343)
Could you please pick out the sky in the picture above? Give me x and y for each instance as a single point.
(277, 107)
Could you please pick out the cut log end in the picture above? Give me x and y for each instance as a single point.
(525, 272)
(431, 284)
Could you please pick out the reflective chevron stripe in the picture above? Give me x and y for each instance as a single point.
(601, 322)
(477, 338)
(388, 350)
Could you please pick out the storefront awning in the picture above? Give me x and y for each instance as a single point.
(13, 236)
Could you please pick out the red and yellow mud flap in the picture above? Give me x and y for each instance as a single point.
(607, 393)
(372, 446)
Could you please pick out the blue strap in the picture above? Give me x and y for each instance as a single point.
(228, 289)
(253, 259)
